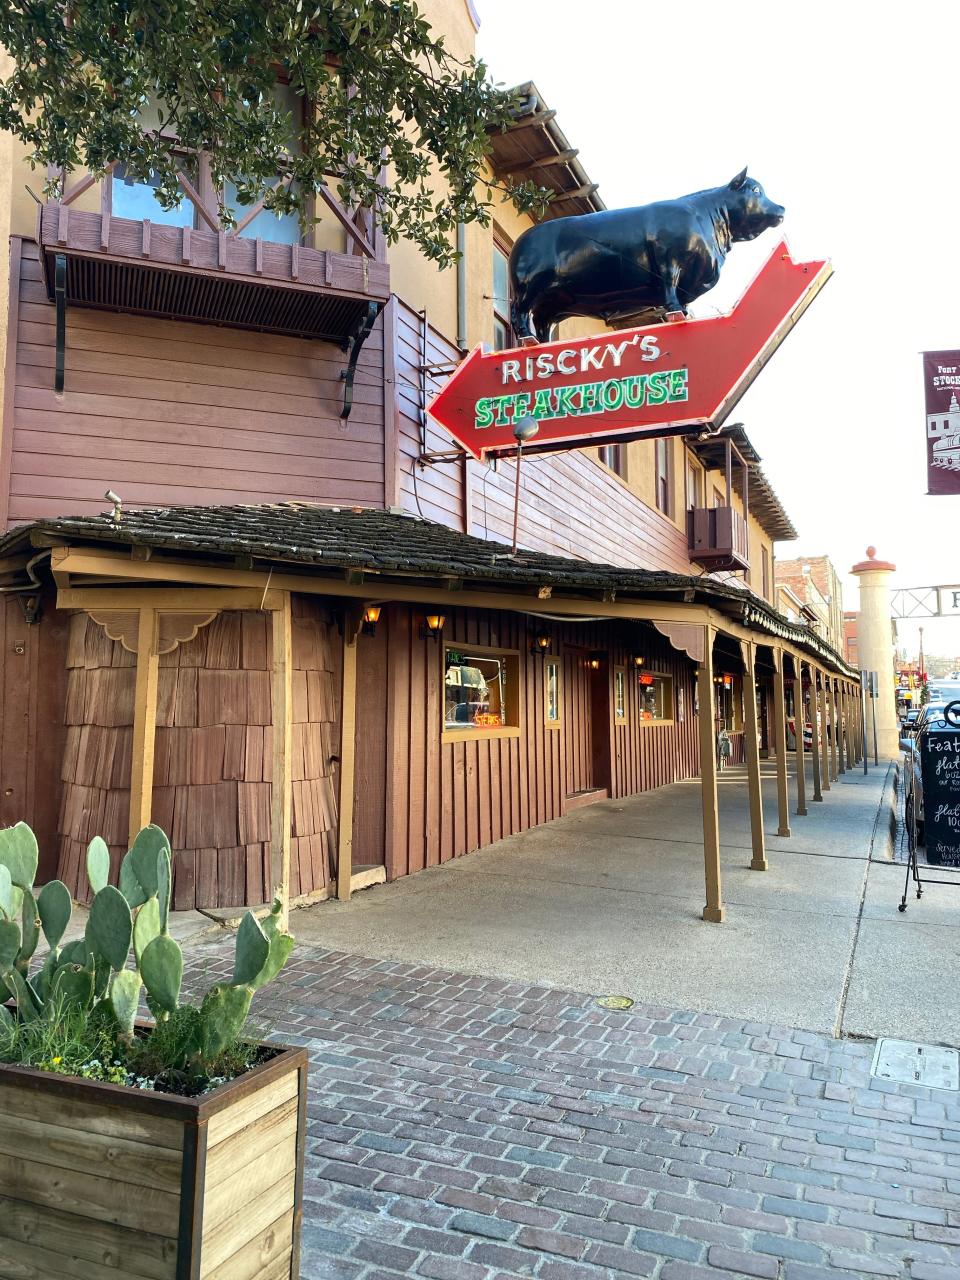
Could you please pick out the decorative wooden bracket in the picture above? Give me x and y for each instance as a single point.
(173, 627)
(686, 637)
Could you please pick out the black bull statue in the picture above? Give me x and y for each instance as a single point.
(632, 264)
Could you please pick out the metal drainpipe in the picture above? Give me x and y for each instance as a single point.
(461, 286)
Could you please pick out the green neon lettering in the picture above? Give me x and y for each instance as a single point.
(588, 396)
(565, 405)
(483, 414)
(678, 384)
(542, 406)
(611, 394)
(635, 391)
(504, 404)
(656, 388)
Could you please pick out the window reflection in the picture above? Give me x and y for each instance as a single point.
(476, 692)
(135, 198)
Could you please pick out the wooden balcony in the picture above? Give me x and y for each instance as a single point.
(717, 538)
(178, 273)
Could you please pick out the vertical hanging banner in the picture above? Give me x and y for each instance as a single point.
(941, 386)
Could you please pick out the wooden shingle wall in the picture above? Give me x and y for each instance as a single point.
(213, 761)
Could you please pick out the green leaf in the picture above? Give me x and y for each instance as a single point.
(19, 854)
(146, 926)
(110, 927)
(161, 967)
(29, 1004)
(252, 950)
(72, 986)
(9, 943)
(30, 928)
(281, 944)
(222, 1015)
(55, 907)
(125, 998)
(6, 893)
(139, 870)
(98, 864)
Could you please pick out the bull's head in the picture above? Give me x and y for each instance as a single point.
(749, 209)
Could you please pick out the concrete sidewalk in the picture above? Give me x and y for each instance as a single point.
(609, 900)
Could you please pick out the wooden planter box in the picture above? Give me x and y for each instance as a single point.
(101, 1182)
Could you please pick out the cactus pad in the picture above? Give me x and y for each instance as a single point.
(98, 864)
(110, 927)
(19, 854)
(161, 967)
(55, 907)
(125, 998)
(253, 948)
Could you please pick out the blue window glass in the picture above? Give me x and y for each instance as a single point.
(282, 229)
(133, 198)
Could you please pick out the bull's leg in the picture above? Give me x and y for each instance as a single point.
(670, 278)
(522, 322)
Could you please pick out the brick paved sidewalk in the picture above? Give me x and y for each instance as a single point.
(463, 1128)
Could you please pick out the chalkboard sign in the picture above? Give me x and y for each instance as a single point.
(940, 771)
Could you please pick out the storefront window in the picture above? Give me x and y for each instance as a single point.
(620, 695)
(480, 690)
(656, 696)
(552, 682)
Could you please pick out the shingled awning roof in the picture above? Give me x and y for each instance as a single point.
(765, 506)
(535, 148)
(334, 540)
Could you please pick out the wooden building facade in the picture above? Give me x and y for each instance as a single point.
(200, 653)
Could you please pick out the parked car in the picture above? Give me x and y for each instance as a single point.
(910, 721)
(929, 720)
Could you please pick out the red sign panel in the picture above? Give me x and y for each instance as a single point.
(658, 380)
(941, 385)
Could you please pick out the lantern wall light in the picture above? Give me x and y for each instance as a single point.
(596, 657)
(542, 641)
(637, 659)
(371, 616)
(432, 626)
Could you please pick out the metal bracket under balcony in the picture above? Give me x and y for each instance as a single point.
(210, 277)
(717, 538)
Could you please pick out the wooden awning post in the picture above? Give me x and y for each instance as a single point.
(144, 723)
(348, 740)
(815, 733)
(780, 744)
(281, 807)
(751, 746)
(825, 733)
(799, 718)
(834, 729)
(713, 910)
(841, 729)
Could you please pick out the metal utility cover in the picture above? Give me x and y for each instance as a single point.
(910, 1063)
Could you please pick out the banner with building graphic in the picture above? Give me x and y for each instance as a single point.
(941, 384)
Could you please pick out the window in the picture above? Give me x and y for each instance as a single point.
(718, 499)
(502, 329)
(655, 697)
(765, 572)
(551, 677)
(729, 695)
(694, 485)
(480, 690)
(620, 695)
(132, 198)
(614, 456)
(663, 470)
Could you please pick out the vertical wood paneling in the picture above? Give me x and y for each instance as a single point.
(455, 797)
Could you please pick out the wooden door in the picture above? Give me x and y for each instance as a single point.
(577, 721)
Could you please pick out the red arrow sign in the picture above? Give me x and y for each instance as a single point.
(659, 380)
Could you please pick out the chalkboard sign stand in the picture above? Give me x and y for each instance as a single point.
(938, 756)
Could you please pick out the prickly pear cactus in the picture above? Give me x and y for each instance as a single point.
(97, 973)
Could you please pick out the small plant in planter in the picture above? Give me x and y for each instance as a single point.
(156, 1148)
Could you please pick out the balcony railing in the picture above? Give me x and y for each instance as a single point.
(208, 276)
(717, 538)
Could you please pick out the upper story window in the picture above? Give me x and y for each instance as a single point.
(694, 485)
(614, 456)
(136, 199)
(502, 329)
(663, 470)
(765, 572)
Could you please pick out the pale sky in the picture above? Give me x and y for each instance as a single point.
(845, 112)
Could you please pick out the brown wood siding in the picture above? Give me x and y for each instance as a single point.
(33, 681)
(445, 799)
(569, 505)
(212, 769)
(168, 412)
